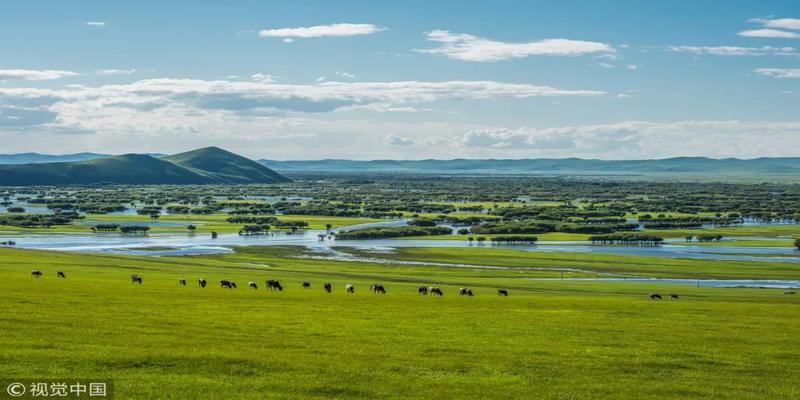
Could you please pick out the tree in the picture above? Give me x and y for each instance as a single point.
(797, 243)
(328, 227)
(154, 216)
(191, 228)
(481, 239)
(470, 239)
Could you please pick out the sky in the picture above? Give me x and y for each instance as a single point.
(294, 80)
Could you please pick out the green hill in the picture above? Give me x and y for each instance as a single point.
(204, 166)
(223, 166)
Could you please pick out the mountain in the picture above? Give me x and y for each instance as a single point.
(223, 166)
(38, 158)
(203, 166)
(30, 158)
(688, 165)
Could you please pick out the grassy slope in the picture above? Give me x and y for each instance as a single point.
(550, 340)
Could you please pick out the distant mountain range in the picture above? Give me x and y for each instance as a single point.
(202, 166)
(208, 163)
(787, 165)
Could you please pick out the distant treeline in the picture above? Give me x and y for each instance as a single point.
(381, 233)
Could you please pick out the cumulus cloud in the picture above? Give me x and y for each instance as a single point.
(733, 50)
(96, 24)
(636, 139)
(265, 78)
(334, 30)
(780, 23)
(394, 140)
(779, 72)
(116, 71)
(34, 75)
(467, 47)
(769, 33)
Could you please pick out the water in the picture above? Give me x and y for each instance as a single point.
(729, 283)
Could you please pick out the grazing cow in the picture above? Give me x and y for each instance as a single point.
(181, 282)
(502, 292)
(306, 285)
(36, 273)
(377, 288)
(201, 282)
(422, 290)
(349, 288)
(327, 287)
(465, 292)
(60, 274)
(136, 279)
(274, 285)
(227, 284)
(674, 296)
(252, 285)
(435, 291)
(655, 296)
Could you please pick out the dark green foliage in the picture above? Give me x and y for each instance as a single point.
(380, 233)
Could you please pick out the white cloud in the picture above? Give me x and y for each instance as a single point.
(337, 30)
(288, 40)
(467, 47)
(394, 140)
(116, 71)
(265, 78)
(733, 50)
(780, 23)
(779, 72)
(769, 33)
(637, 139)
(34, 75)
(345, 75)
(632, 67)
(321, 79)
(606, 65)
(96, 24)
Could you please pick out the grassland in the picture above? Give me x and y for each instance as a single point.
(204, 223)
(549, 339)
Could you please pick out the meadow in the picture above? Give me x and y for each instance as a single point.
(548, 339)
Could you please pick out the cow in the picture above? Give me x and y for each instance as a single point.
(327, 287)
(502, 292)
(422, 290)
(674, 296)
(435, 291)
(377, 288)
(349, 288)
(306, 285)
(201, 282)
(252, 285)
(274, 285)
(36, 273)
(136, 279)
(789, 292)
(227, 284)
(465, 292)
(61, 274)
(655, 296)
(181, 282)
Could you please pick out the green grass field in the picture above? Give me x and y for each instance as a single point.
(548, 339)
(204, 223)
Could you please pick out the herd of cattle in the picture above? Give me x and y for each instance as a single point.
(274, 284)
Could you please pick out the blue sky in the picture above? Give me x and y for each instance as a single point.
(406, 80)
